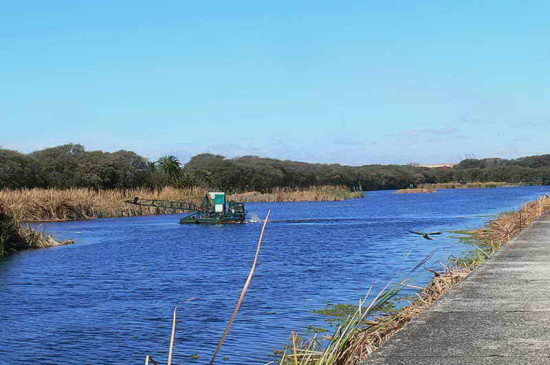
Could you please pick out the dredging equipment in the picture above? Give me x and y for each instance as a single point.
(214, 209)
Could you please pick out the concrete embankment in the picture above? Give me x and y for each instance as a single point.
(499, 314)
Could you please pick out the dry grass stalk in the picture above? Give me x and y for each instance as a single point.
(244, 290)
(172, 337)
(235, 311)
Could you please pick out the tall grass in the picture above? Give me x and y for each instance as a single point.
(340, 347)
(367, 328)
(470, 185)
(15, 236)
(73, 204)
(312, 194)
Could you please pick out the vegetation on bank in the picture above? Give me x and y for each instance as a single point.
(471, 185)
(16, 237)
(71, 166)
(313, 194)
(33, 205)
(415, 191)
(371, 323)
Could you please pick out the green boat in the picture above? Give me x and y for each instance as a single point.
(214, 209)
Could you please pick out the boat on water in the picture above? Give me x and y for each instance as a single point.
(214, 209)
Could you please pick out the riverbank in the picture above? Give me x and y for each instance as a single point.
(415, 191)
(497, 315)
(313, 194)
(470, 185)
(40, 205)
(371, 325)
(15, 236)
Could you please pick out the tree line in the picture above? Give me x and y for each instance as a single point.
(72, 166)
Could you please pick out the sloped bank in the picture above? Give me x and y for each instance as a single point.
(370, 326)
(15, 236)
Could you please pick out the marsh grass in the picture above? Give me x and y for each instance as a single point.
(471, 185)
(35, 205)
(365, 329)
(415, 191)
(15, 236)
(311, 194)
(339, 347)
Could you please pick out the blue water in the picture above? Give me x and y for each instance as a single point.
(108, 298)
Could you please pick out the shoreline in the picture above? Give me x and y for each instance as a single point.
(17, 236)
(52, 205)
(471, 185)
(497, 233)
(372, 325)
(492, 323)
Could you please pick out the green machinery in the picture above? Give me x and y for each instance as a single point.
(214, 209)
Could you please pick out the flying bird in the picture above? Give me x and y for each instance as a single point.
(426, 235)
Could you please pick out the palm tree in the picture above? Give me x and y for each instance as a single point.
(171, 166)
(151, 166)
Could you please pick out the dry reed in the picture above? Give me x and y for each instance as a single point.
(312, 194)
(415, 191)
(244, 290)
(73, 204)
(34, 205)
(15, 236)
(470, 185)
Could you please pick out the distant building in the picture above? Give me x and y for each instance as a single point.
(441, 165)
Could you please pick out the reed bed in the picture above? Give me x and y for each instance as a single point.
(15, 236)
(415, 191)
(34, 205)
(470, 185)
(370, 326)
(311, 194)
(74, 204)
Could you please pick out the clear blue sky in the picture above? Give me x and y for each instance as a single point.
(352, 82)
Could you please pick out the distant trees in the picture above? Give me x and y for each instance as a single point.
(71, 165)
(18, 170)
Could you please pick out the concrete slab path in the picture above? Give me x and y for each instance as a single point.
(499, 314)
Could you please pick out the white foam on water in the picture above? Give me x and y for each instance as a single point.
(254, 218)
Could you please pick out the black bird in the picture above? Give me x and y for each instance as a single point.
(426, 235)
